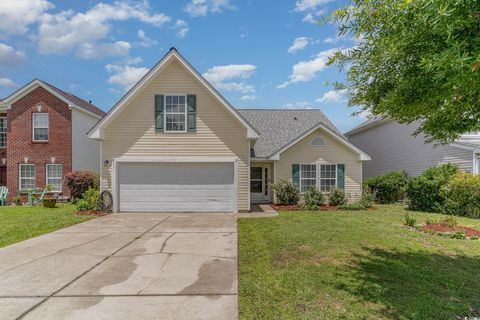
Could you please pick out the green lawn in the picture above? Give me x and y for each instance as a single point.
(355, 265)
(20, 223)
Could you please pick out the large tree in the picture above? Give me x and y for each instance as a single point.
(415, 60)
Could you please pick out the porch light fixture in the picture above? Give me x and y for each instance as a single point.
(105, 163)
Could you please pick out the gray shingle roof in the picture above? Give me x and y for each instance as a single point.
(279, 127)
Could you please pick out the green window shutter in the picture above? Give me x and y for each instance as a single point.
(296, 175)
(341, 176)
(191, 113)
(159, 112)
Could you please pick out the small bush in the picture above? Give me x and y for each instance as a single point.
(367, 198)
(337, 197)
(286, 192)
(17, 200)
(424, 192)
(313, 197)
(89, 201)
(458, 235)
(79, 181)
(449, 222)
(355, 206)
(462, 195)
(430, 221)
(388, 188)
(410, 221)
(312, 207)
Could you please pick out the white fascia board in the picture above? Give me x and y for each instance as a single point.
(366, 127)
(362, 155)
(251, 132)
(189, 159)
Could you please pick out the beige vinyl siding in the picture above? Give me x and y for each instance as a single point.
(218, 133)
(333, 152)
(393, 147)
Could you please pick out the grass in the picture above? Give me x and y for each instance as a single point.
(355, 265)
(21, 223)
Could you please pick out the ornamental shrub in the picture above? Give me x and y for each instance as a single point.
(424, 192)
(286, 192)
(79, 181)
(89, 201)
(355, 206)
(337, 197)
(367, 198)
(388, 188)
(313, 197)
(462, 195)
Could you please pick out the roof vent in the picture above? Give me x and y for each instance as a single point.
(90, 101)
(295, 118)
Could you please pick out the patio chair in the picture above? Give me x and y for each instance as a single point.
(3, 195)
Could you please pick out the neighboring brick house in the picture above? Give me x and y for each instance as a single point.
(43, 137)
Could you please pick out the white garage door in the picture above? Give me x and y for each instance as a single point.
(176, 187)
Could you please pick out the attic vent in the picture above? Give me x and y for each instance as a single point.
(317, 141)
(295, 118)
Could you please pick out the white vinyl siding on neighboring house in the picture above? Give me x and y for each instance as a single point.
(392, 147)
(26, 174)
(40, 126)
(54, 176)
(3, 132)
(85, 151)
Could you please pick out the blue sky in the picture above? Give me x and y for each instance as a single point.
(257, 53)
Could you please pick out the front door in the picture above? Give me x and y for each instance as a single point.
(259, 184)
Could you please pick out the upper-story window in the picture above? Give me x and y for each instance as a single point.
(3, 132)
(40, 126)
(175, 113)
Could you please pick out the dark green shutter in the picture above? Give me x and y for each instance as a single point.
(341, 176)
(296, 175)
(192, 113)
(159, 113)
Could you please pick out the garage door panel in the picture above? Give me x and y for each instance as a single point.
(176, 187)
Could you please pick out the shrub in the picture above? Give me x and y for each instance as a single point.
(462, 195)
(79, 181)
(17, 200)
(430, 221)
(388, 188)
(367, 198)
(355, 206)
(286, 192)
(313, 197)
(424, 191)
(89, 201)
(449, 222)
(337, 197)
(458, 235)
(312, 207)
(410, 221)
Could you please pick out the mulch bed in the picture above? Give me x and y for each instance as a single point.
(92, 213)
(438, 228)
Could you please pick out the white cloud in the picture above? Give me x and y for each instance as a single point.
(299, 44)
(145, 41)
(248, 97)
(182, 28)
(5, 82)
(68, 31)
(306, 70)
(9, 57)
(102, 50)
(306, 5)
(221, 77)
(299, 105)
(200, 8)
(125, 75)
(332, 96)
(17, 15)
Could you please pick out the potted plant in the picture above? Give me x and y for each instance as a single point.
(49, 201)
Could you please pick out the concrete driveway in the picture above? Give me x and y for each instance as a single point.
(125, 266)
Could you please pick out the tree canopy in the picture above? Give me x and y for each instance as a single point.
(415, 60)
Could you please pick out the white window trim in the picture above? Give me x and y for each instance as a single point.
(47, 177)
(4, 118)
(165, 112)
(47, 127)
(317, 178)
(20, 175)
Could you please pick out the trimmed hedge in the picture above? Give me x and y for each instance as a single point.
(388, 188)
(424, 191)
(80, 181)
(462, 195)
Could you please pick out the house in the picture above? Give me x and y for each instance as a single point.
(43, 136)
(393, 146)
(173, 143)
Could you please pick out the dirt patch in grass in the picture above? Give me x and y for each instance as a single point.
(92, 213)
(439, 228)
(304, 255)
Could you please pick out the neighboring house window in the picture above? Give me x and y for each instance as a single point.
(40, 126)
(328, 177)
(54, 176)
(27, 176)
(308, 176)
(3, 132)
(175, 113)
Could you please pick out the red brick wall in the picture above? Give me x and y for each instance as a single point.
(19, 137)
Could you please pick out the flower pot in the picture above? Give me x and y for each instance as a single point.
(49, 202)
